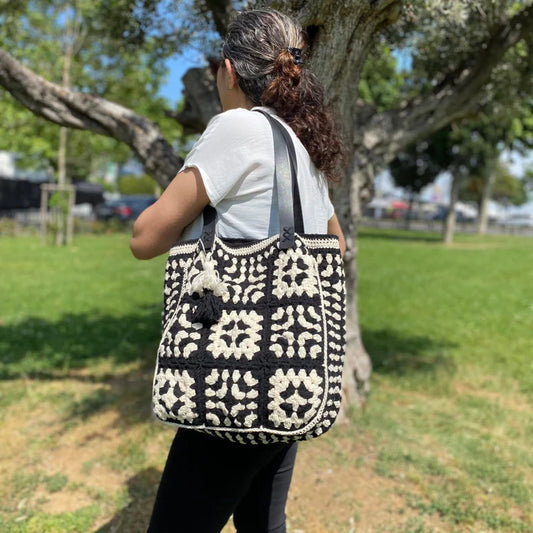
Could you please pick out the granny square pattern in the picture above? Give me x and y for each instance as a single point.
(268, 367)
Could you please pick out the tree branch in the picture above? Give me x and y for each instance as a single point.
(387, 133)
(84, 111)
(201, 100)
(221, 11)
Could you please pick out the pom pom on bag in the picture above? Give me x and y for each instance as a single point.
(254, 331)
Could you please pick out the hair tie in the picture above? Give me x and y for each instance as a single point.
(296, 54)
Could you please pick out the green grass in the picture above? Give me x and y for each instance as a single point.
(426, 307)
(56, 482)
(449, 331)
(65, 308)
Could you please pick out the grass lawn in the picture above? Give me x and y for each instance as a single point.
(444, 445)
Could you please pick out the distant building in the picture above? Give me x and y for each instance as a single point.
(9, 170)
(7, 164)
(21, 188)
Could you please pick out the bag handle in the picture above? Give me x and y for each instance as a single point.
(286, 184)
(285, 176)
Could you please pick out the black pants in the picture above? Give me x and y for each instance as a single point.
(206, 479)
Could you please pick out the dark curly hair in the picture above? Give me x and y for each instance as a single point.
(257, 44)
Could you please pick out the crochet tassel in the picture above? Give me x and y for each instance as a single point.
(210, 289)
(209, 309)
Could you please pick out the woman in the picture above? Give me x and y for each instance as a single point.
(231, 167)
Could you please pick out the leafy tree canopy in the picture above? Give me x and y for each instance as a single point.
(119, 50)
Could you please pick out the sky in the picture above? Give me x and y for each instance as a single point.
(173, 87)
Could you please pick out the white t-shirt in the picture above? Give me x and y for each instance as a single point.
(235, 157)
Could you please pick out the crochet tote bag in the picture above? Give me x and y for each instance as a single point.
(254, 330)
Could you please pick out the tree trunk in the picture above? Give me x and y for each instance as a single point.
(409, 211)
(358, 366)
(63, 214)
(61, 231)
(63, 131)
(73, 42)
(330, 26)
(486, 193)
(449, 222)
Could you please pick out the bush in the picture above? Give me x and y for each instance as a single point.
(99, 227)
(136, 185)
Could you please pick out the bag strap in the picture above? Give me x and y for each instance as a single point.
(286, 184)
(285, 176)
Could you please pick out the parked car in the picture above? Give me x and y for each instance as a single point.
(519, 220)
(460, 216)
(124, 208)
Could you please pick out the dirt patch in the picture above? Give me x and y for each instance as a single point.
(54, 439)
(335, 488)
(515, 401)
(114, 455)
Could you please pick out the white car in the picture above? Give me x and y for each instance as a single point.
(519, 220)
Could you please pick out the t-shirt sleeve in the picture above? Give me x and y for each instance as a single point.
(330, 208)
(224, 154)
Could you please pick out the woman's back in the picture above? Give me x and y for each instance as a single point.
(235, 157)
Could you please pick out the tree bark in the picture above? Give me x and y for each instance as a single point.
(449, 222)
(201, 100)
(87, 112)
(340, 37)
(221, 11)
(486, 193)
(409, 213)
(358, 365)
(61, 235)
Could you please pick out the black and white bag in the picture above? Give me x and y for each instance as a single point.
(254, 330)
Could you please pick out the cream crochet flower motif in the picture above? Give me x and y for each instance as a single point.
(236, 334)
(295, 274)
(295, 397)
(175, 390)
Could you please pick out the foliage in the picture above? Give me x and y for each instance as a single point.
(110, 60)
(528, 180)
(136, 184)
(469, 150)
(381, 82)
(415, 168)
(59, 200)
(508, 189)
(445, 36)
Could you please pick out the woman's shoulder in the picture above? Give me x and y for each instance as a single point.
(238, 120)
(236, 129)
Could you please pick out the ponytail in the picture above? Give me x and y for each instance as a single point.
(264, 47)
(299, 100)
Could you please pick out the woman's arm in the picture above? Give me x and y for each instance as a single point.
(334, 228)
(160, 226)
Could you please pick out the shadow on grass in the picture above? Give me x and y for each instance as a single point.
(49, 349)
(134, 517)
(393, 352)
